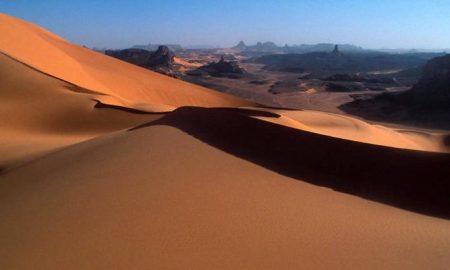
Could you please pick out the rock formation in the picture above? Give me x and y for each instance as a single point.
(241, 46)
(427, 104)
(336, 52)
(434, 85)
(154, 47)
(336, 49)
(223, 67)
(163, 57)
(162, 60)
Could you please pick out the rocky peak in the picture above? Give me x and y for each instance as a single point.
(161, 57)
(161, 60)
(336, 49)
(241, 46)
(435, 81)
(163, 50)
(223, 67)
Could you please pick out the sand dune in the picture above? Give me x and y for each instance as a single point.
(174, 201)
(50, 88)
(93, 174)
(349, 128)
(39, 113)
(125, 84)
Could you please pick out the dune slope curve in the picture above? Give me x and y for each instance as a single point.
(54, 93)
(176, 202)
(122, 84)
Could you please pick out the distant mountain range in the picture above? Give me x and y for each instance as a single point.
(427, 104)
(154, 47)
(269, 46)
(266, 47)
(335, 60)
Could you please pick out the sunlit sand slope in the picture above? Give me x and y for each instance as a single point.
(54, 93)
(39, 113)
(170, 195)
(123, 83)
(349, 128)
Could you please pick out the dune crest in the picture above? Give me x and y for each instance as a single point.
(178, 199)
(40, 114)
(349, 128)
(56, 94)
(87, 69)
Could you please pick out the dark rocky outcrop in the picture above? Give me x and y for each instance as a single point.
(342, 82)
(323, 64)
(343, 77)
(161, 60)
(434, 85)
(345, 86)
(154, 47)
(163, 57)
(266, 46)
(427, 104)
(322, 47)
(269, 46)
(336, 50)
(223, 68)
(134, 56)
(241, 46)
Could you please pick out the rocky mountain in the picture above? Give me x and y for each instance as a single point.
(163, 57)
(327, 63)
(322, 47)
(269, 46)
(427, 104)
(434, 85)
(223, 68)
(241, 46)
(161, 60)
(154, 47)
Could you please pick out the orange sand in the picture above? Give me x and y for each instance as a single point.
(89, 186)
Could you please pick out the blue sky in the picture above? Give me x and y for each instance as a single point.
(120, 23)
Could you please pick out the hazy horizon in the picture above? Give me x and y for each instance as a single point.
(413, 24)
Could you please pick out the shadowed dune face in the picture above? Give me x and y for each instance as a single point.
(157, 197)
(447, 140)
(413, 180)
(54, 93)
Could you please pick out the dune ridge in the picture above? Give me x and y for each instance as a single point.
(40, 113)
(391, 175)
(349, 128)
(128, 84)
(218, 209)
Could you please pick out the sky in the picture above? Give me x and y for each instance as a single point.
(123, 23)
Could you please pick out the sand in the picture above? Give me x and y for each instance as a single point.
(109, 166)
(349, 128)
(186, 64)
(156, 197)
(126, 85)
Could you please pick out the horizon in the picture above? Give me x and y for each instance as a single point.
(402, 25)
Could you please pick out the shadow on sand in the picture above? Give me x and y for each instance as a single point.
(413, 180)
